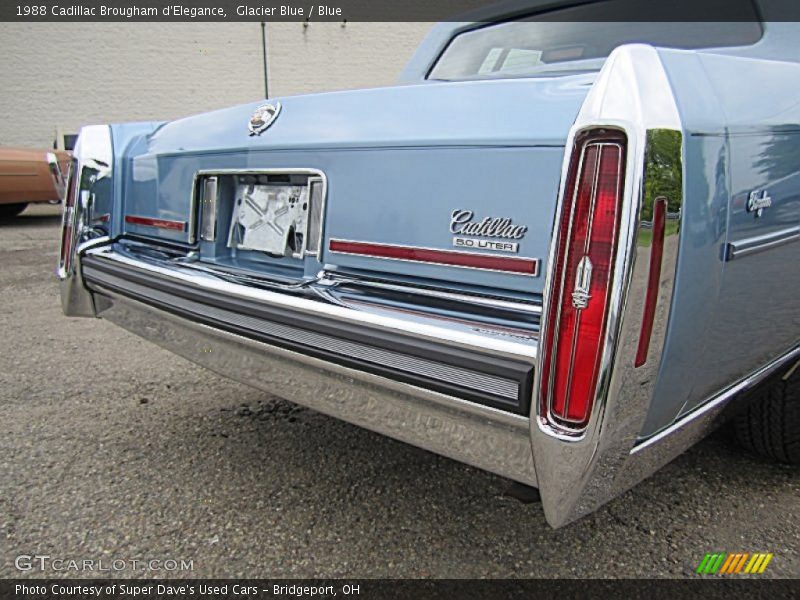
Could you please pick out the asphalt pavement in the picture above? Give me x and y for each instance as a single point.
(112, 449)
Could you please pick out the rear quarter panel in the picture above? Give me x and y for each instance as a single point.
(740, 118)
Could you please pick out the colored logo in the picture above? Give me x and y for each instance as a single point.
(263, 117)
(728, 564)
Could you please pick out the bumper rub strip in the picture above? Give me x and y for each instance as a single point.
(473, 260)
(760, 243)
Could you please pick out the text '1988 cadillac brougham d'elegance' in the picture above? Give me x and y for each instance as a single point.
(558, 251)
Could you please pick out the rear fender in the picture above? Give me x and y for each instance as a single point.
(578, 473)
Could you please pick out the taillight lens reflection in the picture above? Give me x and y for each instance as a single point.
(654, 278)
(582, 276)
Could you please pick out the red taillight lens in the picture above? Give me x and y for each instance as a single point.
(68, 219)
(579, 303)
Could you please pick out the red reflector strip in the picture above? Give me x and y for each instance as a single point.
(522, 266)
(159, 223)
(653, 279)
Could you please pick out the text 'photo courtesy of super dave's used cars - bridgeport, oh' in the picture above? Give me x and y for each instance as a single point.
(561, 252)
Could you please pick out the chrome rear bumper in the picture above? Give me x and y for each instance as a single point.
(325, 321)
(490, 440)
(238, 343)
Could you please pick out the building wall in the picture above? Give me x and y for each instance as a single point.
(65, 75)
(329, 56)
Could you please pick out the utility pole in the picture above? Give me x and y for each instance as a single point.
(264, 54)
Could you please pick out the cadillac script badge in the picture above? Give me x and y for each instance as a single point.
(263, 117)
(757, 202)
(470, 233)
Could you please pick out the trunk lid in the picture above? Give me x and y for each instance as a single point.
(417, 177)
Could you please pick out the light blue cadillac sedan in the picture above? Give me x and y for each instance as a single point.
(560, 250)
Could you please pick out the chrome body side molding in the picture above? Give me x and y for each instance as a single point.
(759, 243)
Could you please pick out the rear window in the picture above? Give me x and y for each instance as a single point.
(573, 40)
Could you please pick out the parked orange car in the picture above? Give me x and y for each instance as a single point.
(28, 176)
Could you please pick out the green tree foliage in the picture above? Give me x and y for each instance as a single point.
(662, 171)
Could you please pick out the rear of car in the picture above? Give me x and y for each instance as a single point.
(481, 264)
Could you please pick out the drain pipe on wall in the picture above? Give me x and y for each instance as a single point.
(264, 54)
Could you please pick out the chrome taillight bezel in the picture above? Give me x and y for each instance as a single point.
(578, 471)
(92, 162)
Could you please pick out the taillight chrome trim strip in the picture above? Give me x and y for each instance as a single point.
(565, 420)
(59, 179)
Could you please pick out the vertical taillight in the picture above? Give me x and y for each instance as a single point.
(582, 270)
(88, 182)
(67, 225)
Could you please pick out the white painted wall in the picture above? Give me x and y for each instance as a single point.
(70, 74)
(327, 56)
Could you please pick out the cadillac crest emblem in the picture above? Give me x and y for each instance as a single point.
(263, 117)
